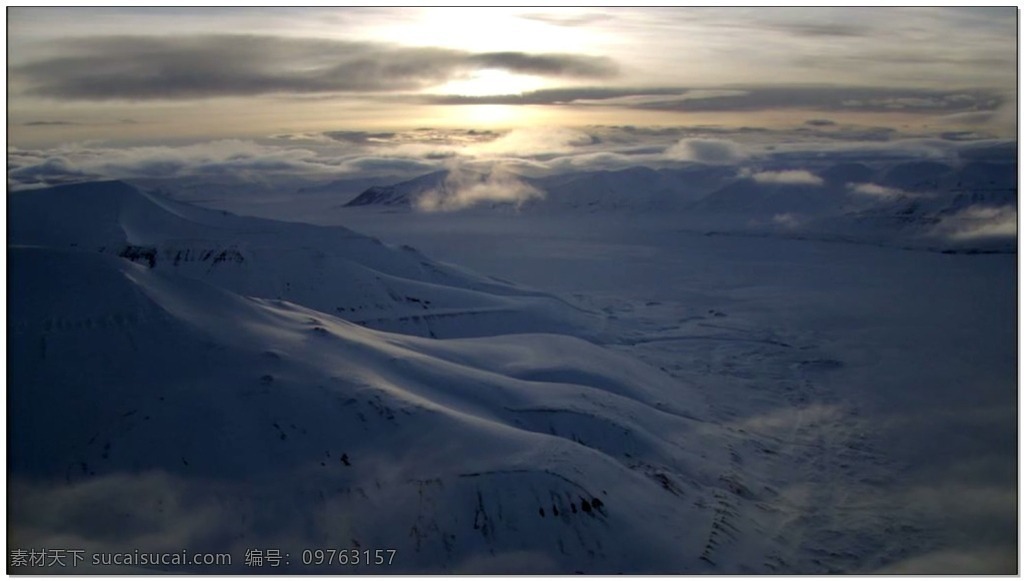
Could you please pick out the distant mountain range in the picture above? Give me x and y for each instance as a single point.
(909, 202)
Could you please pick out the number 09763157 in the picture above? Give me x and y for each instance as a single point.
(349, 557)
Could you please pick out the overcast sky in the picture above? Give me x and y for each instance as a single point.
(136, 75)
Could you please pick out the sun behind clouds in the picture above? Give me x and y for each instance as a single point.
(491, 116)
(489, 82)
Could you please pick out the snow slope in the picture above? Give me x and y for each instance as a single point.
(186, 378)
(155, 411)
(168, 391)
(330, 269)
(874, 389)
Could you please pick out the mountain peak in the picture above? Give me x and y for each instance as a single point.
(402, 193)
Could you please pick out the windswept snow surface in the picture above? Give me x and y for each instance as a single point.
(165, 413)
(866, 394)
(655, 401)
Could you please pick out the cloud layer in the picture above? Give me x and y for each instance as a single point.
(392, 69)
(977, 223)
(201, 66)
(752, 98)
(462, 189)
(876, 191)
(791, 177)
(769, 156)
(704, 150)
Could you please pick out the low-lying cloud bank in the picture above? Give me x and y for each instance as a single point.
(871, 190)
(768, 156)
(704, 150)
(789, 177)
(463, 188)
(979, 223)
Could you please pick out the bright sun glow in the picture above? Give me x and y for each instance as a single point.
(490, 115)
(486, 82)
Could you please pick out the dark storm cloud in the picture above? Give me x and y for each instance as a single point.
(961, 135)
(839, 99)
(48, 123)
(850, 133)
(559, 65)
(832, 98)
(422, 136)
(818, 30)
(358, 136)
(188, 67)
(58, 123)
(551, 96)
(908, 59)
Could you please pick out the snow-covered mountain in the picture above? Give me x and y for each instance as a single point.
(918, 204)
(840, 174)
(964, 206)
(929, 205)
(746, 196)
(402, 194)
(184, 378)
(632, 189)
(330, 269)
(344, 190)
(635, 189)
(161, 401)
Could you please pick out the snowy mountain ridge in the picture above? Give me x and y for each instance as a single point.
(331, 269)
(304, 429)
(967, 206)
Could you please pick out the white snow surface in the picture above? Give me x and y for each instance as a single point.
(658, 400)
